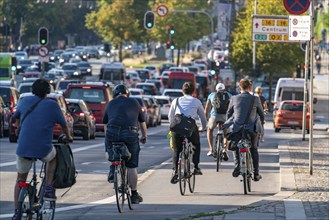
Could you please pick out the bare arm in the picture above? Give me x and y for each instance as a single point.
(144, 132)
(207, 108)
(67, 132)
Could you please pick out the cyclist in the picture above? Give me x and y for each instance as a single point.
(123, 115)
(191, 107)
(237, 114)
(258, 92)
(35, 137)
(216, 117)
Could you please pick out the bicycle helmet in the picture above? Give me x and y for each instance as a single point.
(220, 87)
(120, 90)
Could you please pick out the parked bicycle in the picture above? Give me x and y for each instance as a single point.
(185, 169)
(219, 146)
(121, 186)
(246, 165)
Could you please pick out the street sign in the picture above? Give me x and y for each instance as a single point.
(300, 28)
(270, 28)
(43, 59)
(296, 7)
(162, 10)
(43, 51)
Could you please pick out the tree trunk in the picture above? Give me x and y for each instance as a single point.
(178, 56)
(120, 52)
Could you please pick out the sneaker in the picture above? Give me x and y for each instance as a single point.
(197, 171)
(15, 216)
(262, 140)
(136, 198)
(236, 172)
(225, 155)
(174, 178)
(110, 177)
(209, 154)
(49, 193)
(257, 177)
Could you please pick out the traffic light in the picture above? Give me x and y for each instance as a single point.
(172, 45)
(168, 44)
(43, 36)
(13, 63)
(107, 48)
(171, 31)
(149, 20)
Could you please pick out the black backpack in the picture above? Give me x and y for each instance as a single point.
(65, 174)
(221, 102)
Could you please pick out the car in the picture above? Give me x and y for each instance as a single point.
(4, 117)
(144, 74)
(84, 122)
(96, 95)
(163, 79)
(57, 54)
(154, 71)
(165, 73)
(135, 91)
(57, 128)
(10, 96)
(203, 88)
(178, 69)
(22, 65)
(172, 93)
(65, 57)
(72, 70)
(133, 76)
(157, 109)
(75, 59)
(25, 87)
(21, 55)
(149, 88)
(166, 66)
(85, 67)
(152, 118)
(158, 83)
(92, 53)
(194, 69)
(61, 85)
(165, 103)
(290, 115)
(140, 100)
(31, 72)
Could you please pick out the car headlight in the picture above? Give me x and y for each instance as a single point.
(88, 70)
(19, 67)
(51, 81)
(61, 60)
(76, 73)
(84, 57)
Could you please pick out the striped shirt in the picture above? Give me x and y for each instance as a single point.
(189, 106)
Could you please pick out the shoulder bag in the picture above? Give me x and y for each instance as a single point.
(182, 124)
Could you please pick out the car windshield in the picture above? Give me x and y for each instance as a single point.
(178, 83)
(25, 62)
(292, 106)
(292, 95)
(63, 84)
(150, 67)
(201, 80)
(88, 95)
(69, 67)
(173, 94)
(5, 94)
(25, 89)
(83, 64)
(163, 101)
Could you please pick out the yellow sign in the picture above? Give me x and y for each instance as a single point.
(282, 22)
(275, 37)
(266, 22)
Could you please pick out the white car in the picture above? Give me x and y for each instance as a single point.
(165, 103)
(178, 69)
(154, 71)
(172, 93)
(136, 91)
(25, 87)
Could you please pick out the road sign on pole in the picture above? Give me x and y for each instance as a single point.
(296, 7)
(162, 10)
(300, 28)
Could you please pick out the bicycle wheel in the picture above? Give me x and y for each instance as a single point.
(190, 174)
(181, 173)
(118, 187)
(25, 205)
(128, 191)
(245, 183)
(47, 211)
(219, 147)
(250, 169)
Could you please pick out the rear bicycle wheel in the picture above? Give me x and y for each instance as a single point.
(181, 173)
(219, 152)
(128, 191)
(47, 211)
(118, 187)
(250, 169)
(245, 183)
(25, 210)
(190, 174)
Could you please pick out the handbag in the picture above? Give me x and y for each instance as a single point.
(235, 137)
(182, 124)
(18, 130)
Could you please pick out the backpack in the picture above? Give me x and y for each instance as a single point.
(221, 102)
(65, 174)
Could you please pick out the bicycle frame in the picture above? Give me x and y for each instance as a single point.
(184, 168)
(246, 165)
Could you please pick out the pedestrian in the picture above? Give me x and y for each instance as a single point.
(318, 63)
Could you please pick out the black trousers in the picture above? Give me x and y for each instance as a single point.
(178, 147)
(253, 150)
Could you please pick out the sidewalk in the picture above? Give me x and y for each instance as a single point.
(302, 196)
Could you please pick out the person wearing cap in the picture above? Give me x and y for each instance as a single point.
(214, 119)
(123, 117)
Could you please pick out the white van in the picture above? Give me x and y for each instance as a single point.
(288, 89)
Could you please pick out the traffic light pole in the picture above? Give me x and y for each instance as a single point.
(211, 23)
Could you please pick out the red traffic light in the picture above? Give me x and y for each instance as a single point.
(167, 27)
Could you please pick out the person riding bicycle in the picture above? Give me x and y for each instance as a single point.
(35, 136)
(258, 92)
(237, 114)
(123, 117)
(190, 107)
(217, 104)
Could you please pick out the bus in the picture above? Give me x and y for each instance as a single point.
(7, 63)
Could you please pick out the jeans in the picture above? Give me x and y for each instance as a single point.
(254, 153)
(129, 136)
(178, 147)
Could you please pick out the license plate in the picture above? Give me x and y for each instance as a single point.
(293, 122)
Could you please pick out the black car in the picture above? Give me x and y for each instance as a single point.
(166, 66)
(85, 68)
(144, 74)
(84, 121)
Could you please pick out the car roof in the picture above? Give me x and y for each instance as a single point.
(172, 90)
(162, 97)
(146, 84)
(77, 101)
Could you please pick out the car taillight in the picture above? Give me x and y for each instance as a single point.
(82, 114)
(149, 109)
(14, 110)
(143, 109)
(167, 106)
(12, 101)
(279, 114)
(153, 88)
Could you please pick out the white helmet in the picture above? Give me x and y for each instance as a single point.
(220, 86)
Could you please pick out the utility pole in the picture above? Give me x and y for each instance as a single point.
(306, 73)
(254, 44)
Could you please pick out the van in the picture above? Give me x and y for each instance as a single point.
(288, 89)
(114, 72)
(177, 79)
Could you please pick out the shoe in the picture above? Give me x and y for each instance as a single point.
(15, 216)
(225, 156)
(236, 172)
(257, 177)
(209, 154)
(262, 140)
(49, 194)
(110, 177)
(214, 154)
(197, 171)
(136, 198)
(174, 178)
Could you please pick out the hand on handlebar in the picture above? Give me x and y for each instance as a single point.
(202, 130)
(64, 139)
(143, 139)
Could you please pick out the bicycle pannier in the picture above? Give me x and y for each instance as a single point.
(65, 174)
(117, 149)
(182, 125)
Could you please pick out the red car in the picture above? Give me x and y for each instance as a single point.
(95, 94)
(57, 128)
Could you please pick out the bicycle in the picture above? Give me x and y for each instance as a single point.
(121, 186)
(31, 202)
(219, 146)
(185, 173)
(246, 165)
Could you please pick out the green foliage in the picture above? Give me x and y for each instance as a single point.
(272, 57)
(322, 22)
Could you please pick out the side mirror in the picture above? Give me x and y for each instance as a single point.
(315, 100)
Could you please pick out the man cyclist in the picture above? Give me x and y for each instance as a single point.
(216, 117)
(258, 92)
(123, 115)
(190, 107)
(36, 134)
(237, 114)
